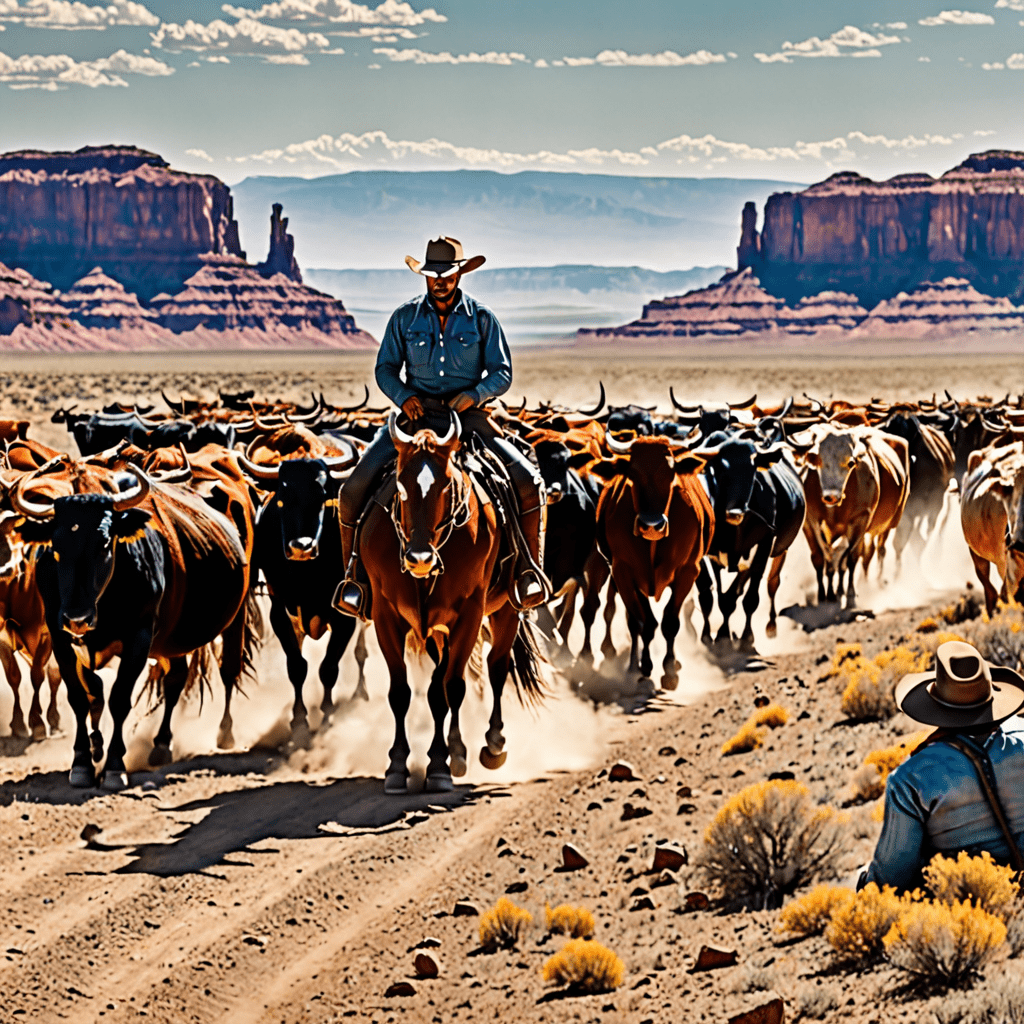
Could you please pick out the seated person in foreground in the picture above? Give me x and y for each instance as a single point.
(963, 789)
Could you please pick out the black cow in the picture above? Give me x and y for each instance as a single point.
(759, 506)
(298, 549)
(968, 428)
(630, 417)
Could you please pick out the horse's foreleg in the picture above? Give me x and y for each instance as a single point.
(391, 633)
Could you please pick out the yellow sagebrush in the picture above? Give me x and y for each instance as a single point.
(502, 925)
(858, 928)
(811, 913)
(868, 683)
(976, 880)
(753, 731)
(586, 966)
(576, 922)
(888, 759)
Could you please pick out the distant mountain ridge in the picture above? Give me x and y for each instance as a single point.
(372, 219)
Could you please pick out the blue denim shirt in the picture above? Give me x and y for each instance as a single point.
(934, 804)
(472, 355)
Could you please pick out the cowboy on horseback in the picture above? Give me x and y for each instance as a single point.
(455, 358)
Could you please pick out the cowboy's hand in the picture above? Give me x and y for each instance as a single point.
(413, 408)
(460, 403)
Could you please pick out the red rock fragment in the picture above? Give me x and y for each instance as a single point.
(712, 957)
(572, 858)
(425, 965)
(669, 858)
(696, 901)
(622, 771)
(465, 909)
(399, 988)
(769, 1013)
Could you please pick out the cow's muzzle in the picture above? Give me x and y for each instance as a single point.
(302, 549)
(420, 563)
(554, 494)
(831, 498)
(651, 527)
(734, 516)
(79, 625)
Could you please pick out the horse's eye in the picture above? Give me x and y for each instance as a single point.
(402, 492)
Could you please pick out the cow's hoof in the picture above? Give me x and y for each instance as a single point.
(771, 631)
(159, 755)
(492, 761)
(18, 730)
(81, 777)
(396, 783)
(438, 784)
(114, 782)
(458, 766)
(669, 682)
(226, 740)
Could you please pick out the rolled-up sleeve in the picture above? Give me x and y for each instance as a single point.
(497, 358)
(390, 360)
(900, 853)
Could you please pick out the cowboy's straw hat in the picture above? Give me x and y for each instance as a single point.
(444, 257)
(963, 692)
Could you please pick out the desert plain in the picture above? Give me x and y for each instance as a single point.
(268, 884)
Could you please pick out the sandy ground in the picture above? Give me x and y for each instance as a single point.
(268, 886)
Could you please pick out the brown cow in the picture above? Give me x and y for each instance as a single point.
(655, 524)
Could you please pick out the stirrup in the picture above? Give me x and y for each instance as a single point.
(350, 599)
(530, 590)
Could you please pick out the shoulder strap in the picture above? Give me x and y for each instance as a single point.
(978, 757)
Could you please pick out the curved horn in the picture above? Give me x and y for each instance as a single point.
(31, 509)
(132, 497)
(815, 401)
(173, 476)
(455, 430)
(178, 407)
(786, 406)
(617, 446)
(258, 471)
(395, 431)
(743, 405)
(358, 406)
(334, 461)
(597, 408)
(678, 405)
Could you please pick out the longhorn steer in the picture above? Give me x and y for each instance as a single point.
(655, 524)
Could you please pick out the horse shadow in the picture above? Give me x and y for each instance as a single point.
(813, 617)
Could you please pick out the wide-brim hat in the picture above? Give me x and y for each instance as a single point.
(444, 257)
(964, 692)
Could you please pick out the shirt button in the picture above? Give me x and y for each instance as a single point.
(442, 344)
(442, 359)
(441, 372)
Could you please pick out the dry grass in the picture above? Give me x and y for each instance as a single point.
(999, 1001)
(975, 880)
(773, 715)
(770, 840)
(968, 607)
(585, 966)
(944, 944)
(868, 683)
(753, 731)
(1001, 638)
(817, 1001)
(576, 922)
(888, 759)
(858, 928)
(502, 925)
(812, 913)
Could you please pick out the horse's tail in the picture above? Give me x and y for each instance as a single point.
(524, 666)
(200, 666)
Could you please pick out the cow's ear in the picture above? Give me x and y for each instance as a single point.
(765, 459)
(129, 525)
(690, 464)
(608, 469)
(580, 459)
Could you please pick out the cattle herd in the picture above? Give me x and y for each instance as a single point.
(153, 544)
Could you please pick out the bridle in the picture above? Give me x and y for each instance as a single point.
(455, 518)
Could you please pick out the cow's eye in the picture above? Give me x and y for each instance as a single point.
(280, 503)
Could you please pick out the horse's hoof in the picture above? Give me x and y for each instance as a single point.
(39, 733)
(159, 755)
(114, 782)
(81, 777)
(96, 742)
(492, 761)
(225, 740)
(458, 766)
(396, 783)
(771, 631)
(18, 731)
(438, 784)
(669, 682)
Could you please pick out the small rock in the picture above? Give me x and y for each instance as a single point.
(622, 771)
(593, 806)
(639, 891)
(90, 831)
(425, 965)
(665, 878)
(667, 752)
(669, 858)
(640, 792)
(781, 777)
(465, 909)
(696, 901)
(572, 858)
(643, 903)
(803, 715)
(712, 957)
(680, 761)
(399, 988)
(550, 832)
(517, 887)
(686, 809)
(736, 774)
(769, 1013)
(761, 701)
(684, 791)
(428, 943)
(629, 812)
(501, 841)
(249, 940)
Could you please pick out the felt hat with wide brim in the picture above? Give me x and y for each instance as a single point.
(964, 692)
(444, 257)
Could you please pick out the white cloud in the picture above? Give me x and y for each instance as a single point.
(423, 57)
(246, 38)
(1015, 62)
(994, 66)
(541, 63)
(218, 60)
(957, 18)
(1014, 5)
(338, 12)
(56, 71)
(200, 154)
(287, 58)
(849, 41)
(984, 133)
(898, 25)
(72, 14)
(665, 59)
(924, 60)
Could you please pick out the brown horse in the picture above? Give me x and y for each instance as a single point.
(432, 558)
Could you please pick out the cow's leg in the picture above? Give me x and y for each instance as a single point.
(439, 775)
(727, 601)
(231, 661)
(173, 684)
(37, 673)
(670, 624)
(774, 579)
(607, 646)
(391, 633)
(706, 595)
(982, 569)
(13, 672)
(853, 556)
(133, 663)
(504, 626)
(296, 663)
(361, 656)
(342, 628)
(82, 684)
(752, 598)
(817, 560)
(596, 574)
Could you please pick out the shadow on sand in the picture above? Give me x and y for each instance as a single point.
(821, 616)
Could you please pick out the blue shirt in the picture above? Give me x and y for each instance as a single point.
(934, 804)
(471, 356)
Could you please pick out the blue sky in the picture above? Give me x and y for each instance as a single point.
(790, 90)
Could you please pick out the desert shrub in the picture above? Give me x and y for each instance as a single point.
(866, 784)
(501, 926)
(770, 840)
(1001, 638)
(966, 608)
(944, 944)
(586, 966)
(888, 759)
(928, 625)
(816, 1001)
(999, 1001)
(843, 653)
(858, 928)
(753, 979)
(811, 913)
(752, 733)
(576, 922)
(976, 880)
(868, 683)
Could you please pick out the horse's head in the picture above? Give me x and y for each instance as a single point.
(429, 493)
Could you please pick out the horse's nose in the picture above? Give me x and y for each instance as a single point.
(420, 563)
(302, 549)
(830, 498)
(734, 516)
